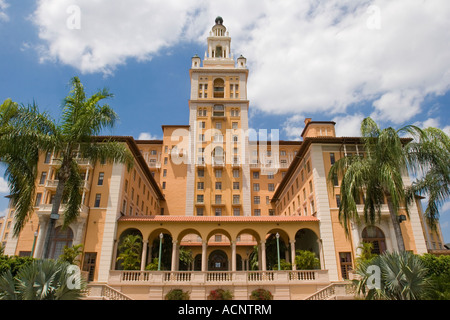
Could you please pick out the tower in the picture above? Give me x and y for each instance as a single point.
(218, 178)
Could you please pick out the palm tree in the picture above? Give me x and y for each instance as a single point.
(42, 280)
(25, 132)
(72, 254)
(130, 252)
(399, 276)
(432, 155)
(379, 174)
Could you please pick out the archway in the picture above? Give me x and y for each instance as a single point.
(60, 239)
(375, 236)
(218, 261)
(123, 235)
(306, 239)
(219, 88)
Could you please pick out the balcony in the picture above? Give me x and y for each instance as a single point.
(52, 184)
(83, 163)
(244, 278)
(154, 165)
(46, 209)
(218, 162)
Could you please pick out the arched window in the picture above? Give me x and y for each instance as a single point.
(219, 88)
(375, 236)
(60, 239)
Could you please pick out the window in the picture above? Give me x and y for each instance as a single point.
(332, 158)
(38, 200)
(235, 185)
(201, 173)
(271, 212)
(132, 194)
(218, 110)
(310, 187)
(256, 200)
(218, 173)
(255, 174)
(98, 197)
(219, 88)
(308, 167)
(235, 173)
(218, 211)
(200, 185)
(101, 176)
(234, 125)
(235, 138)
(164, 185)
(124, 207)
(48, 157)
(256, 187)
(199, 211)
(257, 212)
(313, 209)
(270, 176)
(43, 177)
(200, 198)
(335, 180)
(236, 212)
(165, 160)
(165, 173)
(218, 185)
(202, 125)
(338, 200)
(236, 199)
(219, 125)
(271, 187)
(218, 199)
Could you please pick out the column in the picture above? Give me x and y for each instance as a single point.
(204, 260)
(292, 242)
(174, 255)
(114, 259)
(144, 255)
(322, 265)
(263, 255)
(233, 255)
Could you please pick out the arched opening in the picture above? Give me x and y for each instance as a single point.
(218, 261)
(121, 249)
(190, 248)
(375, 236)
(60, 239)
(219, 52)
(218, 156)
(165, 243)
(307, 240)
(198, 262)
(247, 247)
(219, 88)
(273, 245)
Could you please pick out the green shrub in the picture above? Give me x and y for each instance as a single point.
(306, 260)
(153, 266)
(177, 294)
(13, 263)
(261, 294)
(220, 294)
(439, 273)
(283, 265)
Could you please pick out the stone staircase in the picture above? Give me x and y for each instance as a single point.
(343, 290)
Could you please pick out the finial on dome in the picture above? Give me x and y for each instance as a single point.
(219, 20)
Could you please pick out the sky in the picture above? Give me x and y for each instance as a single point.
(338, 60)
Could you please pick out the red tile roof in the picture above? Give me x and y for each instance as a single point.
(218, 219)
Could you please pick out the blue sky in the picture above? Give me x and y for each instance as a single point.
(341, 60)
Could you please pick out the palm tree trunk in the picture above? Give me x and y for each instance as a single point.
(54, 216)
(396, 225)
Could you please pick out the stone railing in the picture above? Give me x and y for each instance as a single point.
(117, 277)
(103, 292)
(334, 290)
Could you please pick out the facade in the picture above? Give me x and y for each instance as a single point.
(209, 189)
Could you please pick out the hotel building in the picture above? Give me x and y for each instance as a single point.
(210, 189)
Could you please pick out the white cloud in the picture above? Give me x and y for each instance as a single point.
(3, 186)
(147, 136)
(304, 56)
(3, 7)
(293, 127)
(349, 126)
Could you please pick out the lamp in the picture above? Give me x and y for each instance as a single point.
(278, 250)
(160, 248)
